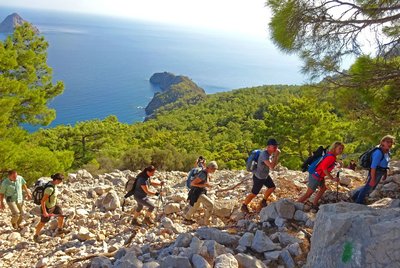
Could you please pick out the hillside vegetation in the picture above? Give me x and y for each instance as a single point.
(222, 127)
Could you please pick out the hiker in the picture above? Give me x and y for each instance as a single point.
(378, 170)
(11, 189)
(352, 165)
(49, 206)
(198, 194)
(322, 172)
(267, 160)
(140, 193)
(200, 162)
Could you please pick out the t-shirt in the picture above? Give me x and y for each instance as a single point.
(52, 193)
(142, 180)
(203, 176)
(376, 159)
(13, 189)
(262, 170)
(327, 163)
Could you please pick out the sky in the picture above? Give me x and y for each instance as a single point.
(244, 16)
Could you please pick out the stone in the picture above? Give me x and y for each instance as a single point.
(246, 240)
(128, 260)
(14, 236)
(280, 222)
(100, 262)
(268, 213)
(300, 215)
(151, 264)
(272, 255)
(84, 234)
(262, 243)
(43, 262)
(346, 181)
(169, 224)
(183, 240)
(390, 187)
(285, 208)
(286, 239)
(226, 260)
(298, 205)
(109, 201)
(199, 262)
(172, 208)
(224, 208)
(245, 260)
(82, 212)
(211, 249)
(219, 236)
(294, 249)
(364, 236)
(287, 259)
(175, 262)
(100, 190)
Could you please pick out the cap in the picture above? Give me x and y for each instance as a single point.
(272, 142)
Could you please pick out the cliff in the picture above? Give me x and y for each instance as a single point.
(12, 21)
(176, 91)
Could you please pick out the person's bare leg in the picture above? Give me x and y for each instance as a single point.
(268, 192)
(307, 195)
(321, 191)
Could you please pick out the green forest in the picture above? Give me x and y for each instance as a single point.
(357, 106)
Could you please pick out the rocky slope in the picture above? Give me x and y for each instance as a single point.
(12, 21)
(278, 236)
(176, 91)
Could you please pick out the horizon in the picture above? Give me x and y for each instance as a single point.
(242, 17)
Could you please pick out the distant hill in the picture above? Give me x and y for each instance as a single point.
(176, 91)
(12, 21)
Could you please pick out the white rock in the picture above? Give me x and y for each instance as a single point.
(226, 260)
(246, 240)
(262, 243)
(172, 208)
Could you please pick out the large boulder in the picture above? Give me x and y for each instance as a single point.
(109, 201)
(224, 208)
(285, 208)
(261, 243)
(226, 260)
(353, 235)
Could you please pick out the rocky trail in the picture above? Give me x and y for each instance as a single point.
(283, 234)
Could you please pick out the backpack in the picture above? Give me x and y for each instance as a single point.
(252, 160)
(365, 159)
(130, 184)
(38, 192)
(191, 175)
(321, 151)
(312, 168)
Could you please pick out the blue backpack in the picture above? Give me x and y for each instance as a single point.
(365, 159)
(191, 175)
(252, 160)
(316, 162)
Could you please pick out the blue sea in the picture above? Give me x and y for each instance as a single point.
(106, 63)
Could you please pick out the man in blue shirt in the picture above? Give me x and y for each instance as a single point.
(378, 170)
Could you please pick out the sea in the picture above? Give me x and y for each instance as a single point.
(106, 62)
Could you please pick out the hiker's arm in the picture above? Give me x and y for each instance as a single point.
(157, 183)
(147, 191)
(1, 201)
(327, 173)
(27, 191)
(372, 181)
(197, 183)
(275, 158)
(43, 205)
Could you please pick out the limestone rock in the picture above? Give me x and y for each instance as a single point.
(175, 262)
(262, 242)
(287, 259)
(100, 262)
(226, 260)
(272, 255)
(43, 262)
(221, 237)
(268, 213)
(246, 240)
(224, 208)
(363, 236)
(172, 208)
(245, 260)
(199, 262)
(109, 201)
(14, 236)
(285, 208)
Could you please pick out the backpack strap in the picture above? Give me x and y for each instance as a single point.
(49, 185)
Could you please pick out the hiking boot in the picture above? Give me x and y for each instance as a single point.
(244, 208)
(61, 231)
(148, 220)
(188, 222)
(135, 222)
(314, 208)
(36, 239)
(264, 203)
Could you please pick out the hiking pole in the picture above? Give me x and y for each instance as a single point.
(337, 186)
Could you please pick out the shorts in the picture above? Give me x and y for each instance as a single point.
(258, 184)
(144, 202)
(54, 210)
(313, 183)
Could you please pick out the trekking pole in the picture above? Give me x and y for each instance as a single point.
(337, 186)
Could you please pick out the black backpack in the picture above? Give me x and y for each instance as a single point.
(38, 192)
(365, 160)
(321, 151)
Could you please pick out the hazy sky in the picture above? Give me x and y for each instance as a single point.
(247, 16)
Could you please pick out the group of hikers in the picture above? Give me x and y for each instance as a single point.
(12, 186)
